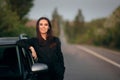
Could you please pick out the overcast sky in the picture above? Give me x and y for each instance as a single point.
(91, 9)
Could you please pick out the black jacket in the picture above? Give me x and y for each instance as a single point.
(49, 52)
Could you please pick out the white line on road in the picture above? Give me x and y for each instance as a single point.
(99, 56)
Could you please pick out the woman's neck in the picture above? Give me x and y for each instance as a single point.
(44, 36)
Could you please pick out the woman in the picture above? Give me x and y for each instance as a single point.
(46, 49)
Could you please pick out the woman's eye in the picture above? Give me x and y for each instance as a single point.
(46, 24)
(40, 24)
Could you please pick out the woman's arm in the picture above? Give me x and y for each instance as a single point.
(25, 43)
(34, 55)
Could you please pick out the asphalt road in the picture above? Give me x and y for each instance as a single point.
(90, 63)
(81, 65)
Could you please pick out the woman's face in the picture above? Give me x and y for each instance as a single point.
(43, 26)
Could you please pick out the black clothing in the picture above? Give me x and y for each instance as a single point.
(48, 52)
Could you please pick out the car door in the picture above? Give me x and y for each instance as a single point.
(9, 66)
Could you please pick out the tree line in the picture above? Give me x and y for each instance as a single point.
(101, 32)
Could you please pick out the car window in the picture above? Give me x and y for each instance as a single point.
(8, 61)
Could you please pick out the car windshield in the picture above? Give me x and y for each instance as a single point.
(8, 61)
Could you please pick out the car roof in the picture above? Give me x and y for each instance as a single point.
(8, 40)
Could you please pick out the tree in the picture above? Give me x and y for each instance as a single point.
(112, 25)
(75, 29)
(21, 7)
(78, 24)
(79, 17)
(10, 25)
(8, 20)
(56, 19)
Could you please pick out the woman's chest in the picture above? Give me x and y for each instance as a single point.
(46, 53)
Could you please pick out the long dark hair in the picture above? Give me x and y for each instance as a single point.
(49, 32)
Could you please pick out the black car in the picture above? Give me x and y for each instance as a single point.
(16, 63)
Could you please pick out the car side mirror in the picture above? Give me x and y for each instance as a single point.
(39, 67)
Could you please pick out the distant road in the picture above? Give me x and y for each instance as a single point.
(84, 62)
(82, 65)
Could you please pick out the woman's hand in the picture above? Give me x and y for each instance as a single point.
(34, 55)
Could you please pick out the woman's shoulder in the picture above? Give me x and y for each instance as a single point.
(56, 39)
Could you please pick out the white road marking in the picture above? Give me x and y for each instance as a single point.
(99, 56)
